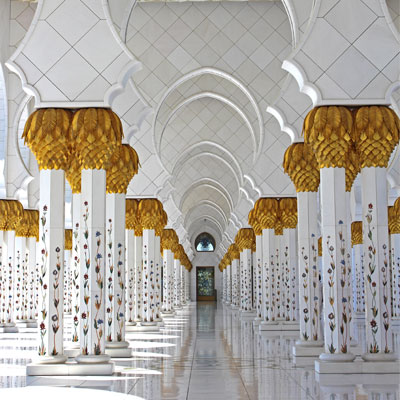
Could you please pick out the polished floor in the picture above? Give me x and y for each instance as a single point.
(204, 353)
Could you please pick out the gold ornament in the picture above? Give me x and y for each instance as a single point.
(22, 228)
(68, 239)
(301, 165)
(73, 174)
(352, 167)
(266, 210)
(132, 217)
(253, 222)
(328, 130)
(14, 214)
(150, 212)
(169, 240)
(96, 134)
(278, 230)
(320, 247)
(47, 133)
(288, 212)
(123, 167)
(394, 218)
(356, 233)
(178, 254)
(33, 224)
(233, 252)
(245, 239)
(377, 134)
(161, 223)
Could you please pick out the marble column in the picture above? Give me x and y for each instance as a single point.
(116, 345)
(158, 265)
(394, 238)
(169, 241)
(131, 224)
(150, 211)
(76, 259)
(377, 132)
(302, 167)
(68, 267)
(32, 288)
(97, 134)
(228, 269)
(234, 256)
(51, 271)
(138, 264)
(291, 268)
(120, 171)
(177, 283)
(332, 144)
(278, 289)
(21, 264)
(358, 269)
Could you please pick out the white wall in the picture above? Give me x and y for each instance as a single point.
(205, 260)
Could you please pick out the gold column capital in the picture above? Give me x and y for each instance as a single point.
(123, 166)
(48, 135)
(245, 239)
(300, 164)
(377, 130)
(356, 233)
(329, 131)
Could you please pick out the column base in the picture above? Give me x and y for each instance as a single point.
(396, 321)
(132, 323)
(118, 349)
(167, 314)
(308, 349)
(148, 323)
(28, 323)
(142, 328)
(59, 359)
(257, 321)
(72, 352)
(359, 316)
(70, 368)
(357, 367)
(92, 359)
(247, 314)
(8, 327)
(278, 326)
(385, 357)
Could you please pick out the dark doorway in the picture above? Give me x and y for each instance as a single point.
(205, 284)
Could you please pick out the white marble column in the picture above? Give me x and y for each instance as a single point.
(259, 276)
(92, 274)
(278, 288)
(138, 263)
(291, 276)
(115, 275)
(245, 282)
(157, 276)
(358, 269)
(31, 245)
(228, 270)
(395, 266)
(235, 278)
(168, 265)
(177, 284)
(51, 273)
(76, 266)
(130, 277)
(20, 287)
(308, 278)
(337, 325)
(377, 268)
(268, 274)
(224, 286)
(148, 278)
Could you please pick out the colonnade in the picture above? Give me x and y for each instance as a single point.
(357, 275)
(107, 272)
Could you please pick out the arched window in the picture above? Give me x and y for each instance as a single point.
(204, 242)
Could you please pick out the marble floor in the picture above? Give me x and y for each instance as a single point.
(204, 353)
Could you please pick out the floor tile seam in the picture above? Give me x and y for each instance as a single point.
(191, 367)
(297, 383)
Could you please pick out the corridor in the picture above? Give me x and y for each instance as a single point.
(205, 352)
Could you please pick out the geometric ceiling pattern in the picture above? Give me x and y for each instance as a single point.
(209, 71)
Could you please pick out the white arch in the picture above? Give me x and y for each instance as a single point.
(206, 203)
(211, 183)
(215, 96)
(224, 75)
(181, 160)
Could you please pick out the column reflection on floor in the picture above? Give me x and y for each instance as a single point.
(204, 352)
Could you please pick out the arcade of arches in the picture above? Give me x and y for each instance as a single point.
(200, 199)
